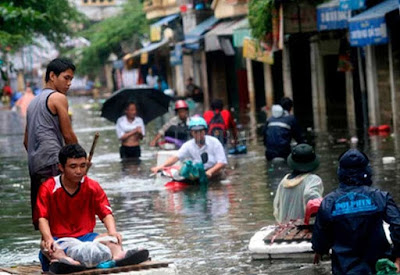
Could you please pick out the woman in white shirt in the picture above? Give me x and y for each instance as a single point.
(130, 130)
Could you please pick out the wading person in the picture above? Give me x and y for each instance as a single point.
(196, 94)
(177, 126)
(287, 105)
(130, 131)
(67, 206)
(299, 187)
(48, 125)
(279, 130)
(219, 121)
(201, 148)
(350, 220)
(23, 103)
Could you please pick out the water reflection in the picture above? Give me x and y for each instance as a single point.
(202, 231)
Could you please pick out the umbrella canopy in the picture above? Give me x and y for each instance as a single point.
(150, 103)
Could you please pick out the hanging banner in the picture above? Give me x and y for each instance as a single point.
(255, 52)
(155, 33)
(144, 58)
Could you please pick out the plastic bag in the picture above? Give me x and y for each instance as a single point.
(194, 172)
(385, 267)
(172, 172)
(89, 254)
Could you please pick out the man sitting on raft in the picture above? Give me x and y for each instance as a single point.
(67, 206)
(299, 187)
(201, 148)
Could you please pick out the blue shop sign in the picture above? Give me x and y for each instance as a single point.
(368, 32)
(332, 18)
(369, 27)
(352, 4)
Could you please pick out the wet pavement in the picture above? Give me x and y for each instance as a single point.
(201, 231)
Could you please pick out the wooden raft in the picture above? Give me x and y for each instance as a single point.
(291, 233)
(36, 269)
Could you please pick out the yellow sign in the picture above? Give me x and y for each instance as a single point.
(255, 52)
(144, 58)
(155, 33)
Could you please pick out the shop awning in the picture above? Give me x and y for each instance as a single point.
(156, 28)
(153, 46)
(149, 48)
(351, 4)
(240, 32)
(165, 20)
(331, 17)
(369, 27)
(192, 38)
(213, 38)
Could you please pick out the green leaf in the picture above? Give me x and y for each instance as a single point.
(106, 37)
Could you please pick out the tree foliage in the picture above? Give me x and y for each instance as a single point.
(106, 36)
(22, 20)
(260, 17)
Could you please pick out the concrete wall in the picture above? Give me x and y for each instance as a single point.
(383, 81)
(217, 76)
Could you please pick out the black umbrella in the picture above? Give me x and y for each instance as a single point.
(150, 103)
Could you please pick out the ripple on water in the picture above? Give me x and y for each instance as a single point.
(202, 232)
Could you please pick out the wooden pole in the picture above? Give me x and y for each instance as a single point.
(314, 86)
(269, 88)
(351, 113)
(287, 73)
(96, 137)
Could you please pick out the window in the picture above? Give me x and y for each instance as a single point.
(98, 2)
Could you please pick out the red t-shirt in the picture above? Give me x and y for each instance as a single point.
(71, 216)
(7, 90)
(226, 115)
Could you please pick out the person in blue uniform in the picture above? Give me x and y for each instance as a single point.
(350, 220)
(279, 130)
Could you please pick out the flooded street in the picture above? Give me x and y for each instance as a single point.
(202, 232)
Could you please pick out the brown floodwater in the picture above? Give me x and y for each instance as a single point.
(201, 231)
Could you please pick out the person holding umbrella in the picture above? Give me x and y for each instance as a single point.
(130, 130)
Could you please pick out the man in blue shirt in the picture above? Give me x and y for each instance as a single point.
(279, 130)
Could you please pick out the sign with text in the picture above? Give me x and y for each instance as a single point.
(332, 18)
(368, 32)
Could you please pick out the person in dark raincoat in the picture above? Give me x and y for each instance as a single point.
(350, 220)
(278, 133)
